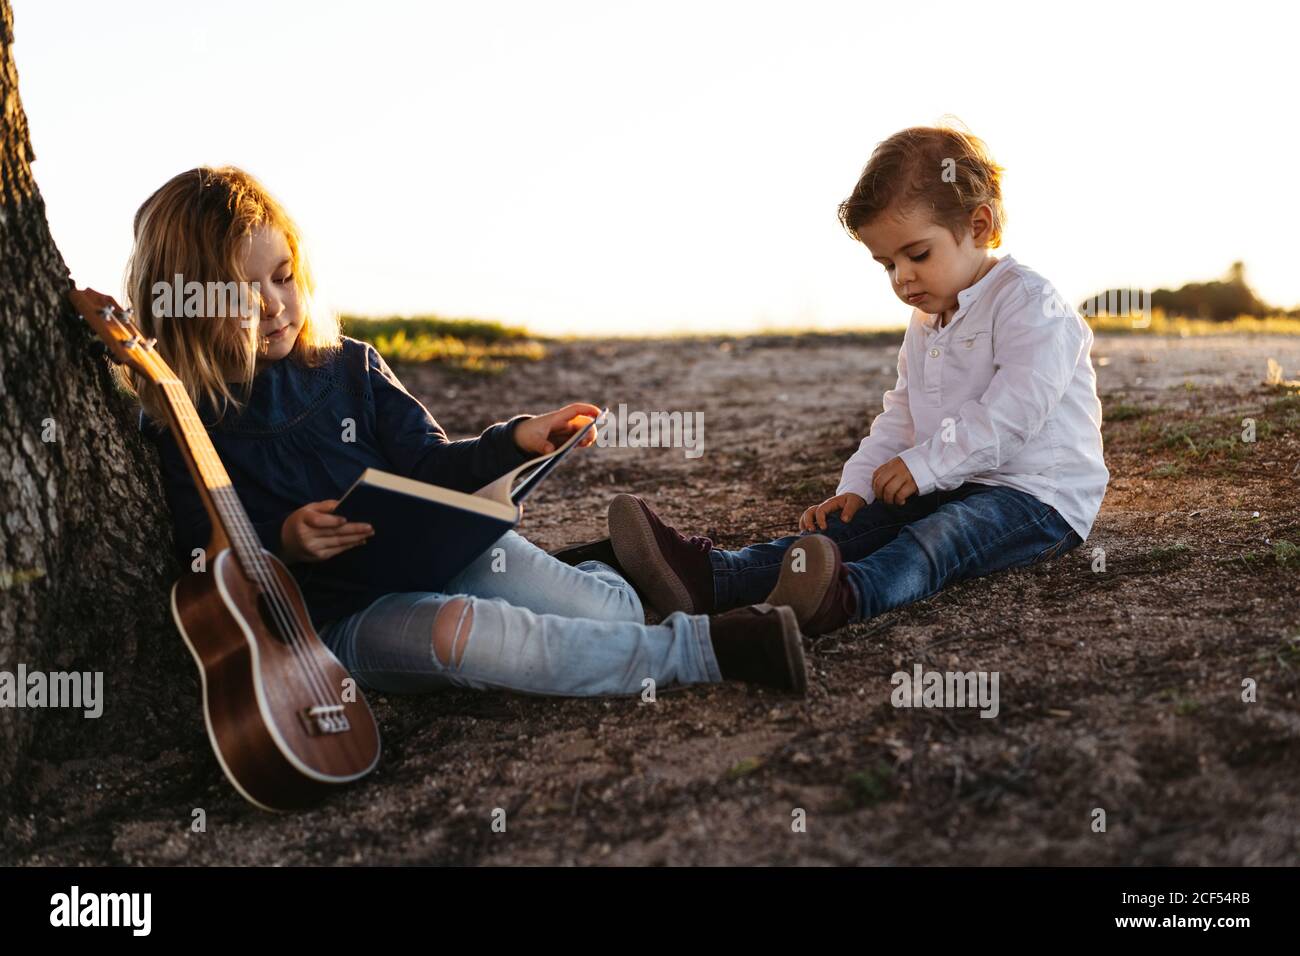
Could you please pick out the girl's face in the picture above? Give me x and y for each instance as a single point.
(266, 260)
(926, 265)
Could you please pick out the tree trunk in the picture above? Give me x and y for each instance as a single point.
(85, 540)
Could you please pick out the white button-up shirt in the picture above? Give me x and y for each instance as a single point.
(1005, 394)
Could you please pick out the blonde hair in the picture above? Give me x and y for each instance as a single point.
(192, 227)
(946, 172)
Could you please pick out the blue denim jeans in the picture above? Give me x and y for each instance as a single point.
(534, 625)
(897, 554)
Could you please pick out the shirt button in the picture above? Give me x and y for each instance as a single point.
(934, 353)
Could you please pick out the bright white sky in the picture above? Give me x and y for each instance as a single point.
(616, 168)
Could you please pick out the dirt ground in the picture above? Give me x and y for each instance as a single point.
(1120, 689)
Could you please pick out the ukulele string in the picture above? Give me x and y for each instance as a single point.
(248, 551)
(276, 599)
(278, 602)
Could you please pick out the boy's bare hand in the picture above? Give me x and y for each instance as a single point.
(815, 517)
(542, 434)
(893, 483)
(314, 533)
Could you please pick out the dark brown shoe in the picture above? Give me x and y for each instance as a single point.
(815, 584)
(601, 550)
(674, 572)
(760, 644)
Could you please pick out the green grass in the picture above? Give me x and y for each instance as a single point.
(1288, 652)
(1161, 324)
(1284, 554)
(871, 786)
(1123, 412)
(1173, 554)
(807, 488)
(743, 768)
(1180, 703)
(470, 345)
(1216, 437)
(479, 330)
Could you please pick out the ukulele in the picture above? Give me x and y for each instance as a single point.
(285, 719)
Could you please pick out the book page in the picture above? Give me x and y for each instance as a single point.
(500, 490)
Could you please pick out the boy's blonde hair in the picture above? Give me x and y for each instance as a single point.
(944, 172)
(193, 227)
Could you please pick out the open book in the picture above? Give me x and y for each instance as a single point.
(426, 534)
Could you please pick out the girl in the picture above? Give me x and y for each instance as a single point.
(296, 412)
(988, 454)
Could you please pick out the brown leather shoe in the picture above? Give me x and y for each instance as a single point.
(600, 550)
(815, 587)
(672, 571)
(760, 644)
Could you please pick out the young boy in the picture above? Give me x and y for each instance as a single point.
(988, 454)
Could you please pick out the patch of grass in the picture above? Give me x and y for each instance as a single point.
(1288, 651)
(1161, 324)
(470, 345)
(1181, 704)
(1124, 412)
(1201, 438)
(871, 786)
(1282, 412)
(479, 330)
(1171, 555)
(1285, 554)
(808, 488)
(743, 768)
(1168, 470)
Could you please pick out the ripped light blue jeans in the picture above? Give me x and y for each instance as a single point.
(519, 619)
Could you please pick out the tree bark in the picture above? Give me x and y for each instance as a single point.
(85, 539)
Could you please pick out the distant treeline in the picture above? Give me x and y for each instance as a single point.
(1220, 301)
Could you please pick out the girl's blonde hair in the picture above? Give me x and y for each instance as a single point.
(946, 172)
(192, 228)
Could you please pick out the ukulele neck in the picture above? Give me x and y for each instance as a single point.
(230, 524)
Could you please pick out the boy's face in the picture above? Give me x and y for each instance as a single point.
(926, 265)
(268, 262)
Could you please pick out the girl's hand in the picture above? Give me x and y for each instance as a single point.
(313, 533)
(815, 517)
(542, 434)
(893, 483)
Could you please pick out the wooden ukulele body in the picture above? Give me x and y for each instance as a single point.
(282, 743)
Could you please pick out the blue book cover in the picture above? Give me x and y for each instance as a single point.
(426, 534)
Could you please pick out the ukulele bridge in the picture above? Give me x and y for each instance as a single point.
(324, 719)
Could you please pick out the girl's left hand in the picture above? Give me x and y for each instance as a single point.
(542, 434)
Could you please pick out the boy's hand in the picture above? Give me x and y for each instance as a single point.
(815, 517)
(313, 533)
(893, 483)
(542, 434)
